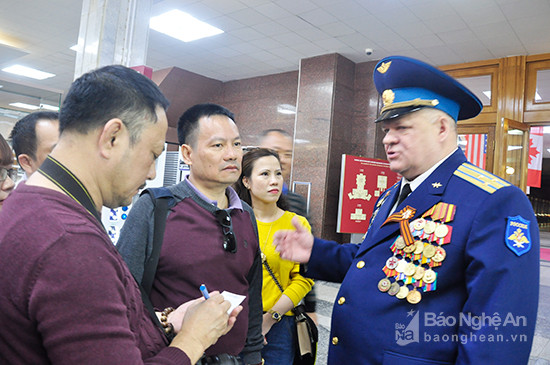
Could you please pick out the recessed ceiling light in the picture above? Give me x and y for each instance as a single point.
(182, 26)
(25, 106)
(28, 72)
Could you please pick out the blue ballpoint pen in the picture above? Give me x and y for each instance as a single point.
(204, 292)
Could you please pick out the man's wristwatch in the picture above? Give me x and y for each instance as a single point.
(275, 315)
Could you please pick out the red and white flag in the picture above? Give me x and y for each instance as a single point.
(476, 149)
(534, 169)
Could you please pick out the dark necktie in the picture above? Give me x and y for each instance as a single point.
(404, 193)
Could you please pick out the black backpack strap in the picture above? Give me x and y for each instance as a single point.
(162, 199)
(147, 303)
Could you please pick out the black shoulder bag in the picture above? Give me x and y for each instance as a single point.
(307, 333)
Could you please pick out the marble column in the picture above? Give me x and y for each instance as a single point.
(112, 32)
(324, 104)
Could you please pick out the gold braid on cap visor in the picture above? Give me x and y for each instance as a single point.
(415, 102)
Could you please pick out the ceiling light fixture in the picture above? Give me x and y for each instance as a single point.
(28, 72)
(182, 26)
(25, 106)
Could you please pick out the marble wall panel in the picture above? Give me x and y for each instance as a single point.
(184, 89)
(366, 105)
(313, 128)
(342, 132)
(255, 104)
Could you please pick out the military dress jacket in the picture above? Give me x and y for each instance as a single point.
(478, 305)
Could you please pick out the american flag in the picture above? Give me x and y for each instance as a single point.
(475, 148)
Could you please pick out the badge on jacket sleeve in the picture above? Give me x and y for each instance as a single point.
(518, 237)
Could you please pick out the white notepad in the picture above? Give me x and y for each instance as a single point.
(234, 299)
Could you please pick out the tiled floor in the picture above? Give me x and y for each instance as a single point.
(540, 352)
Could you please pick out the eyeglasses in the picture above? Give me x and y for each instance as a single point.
(5, 173)
(229, 239)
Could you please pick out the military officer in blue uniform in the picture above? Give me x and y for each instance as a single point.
(450, 274)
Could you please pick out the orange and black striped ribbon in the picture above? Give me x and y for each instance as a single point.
(403, 217)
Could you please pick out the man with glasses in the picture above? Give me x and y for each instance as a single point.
(33, 138)
(210, 236)
(8, 174)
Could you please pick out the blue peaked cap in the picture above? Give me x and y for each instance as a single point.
(407, 85)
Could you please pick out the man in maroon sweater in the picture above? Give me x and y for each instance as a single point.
(66, 296)
(197, 246)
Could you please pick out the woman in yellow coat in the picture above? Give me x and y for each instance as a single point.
(260, 185)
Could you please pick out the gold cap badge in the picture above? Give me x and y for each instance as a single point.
(387, 97)
(384, 66)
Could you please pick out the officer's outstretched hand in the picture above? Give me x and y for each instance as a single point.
(294, 245)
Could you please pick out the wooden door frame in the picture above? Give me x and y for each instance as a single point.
(489, 130)
(508, 124)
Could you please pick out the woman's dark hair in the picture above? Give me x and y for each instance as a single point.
(6, 155)
(249, 159)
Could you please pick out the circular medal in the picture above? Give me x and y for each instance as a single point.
(410, 248)
(419, 223)
(419, 247)
(401, 265)
(403, 292)
(439, 255)
(429, 276)
(384, 285)
(414, 297)
(391, 263)
(410, 269)
(429, 251)
(400, 243)
(429, 228)
(419, 273)
(394, 289)
(441, 231)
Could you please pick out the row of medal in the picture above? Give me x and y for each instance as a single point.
(413, 263)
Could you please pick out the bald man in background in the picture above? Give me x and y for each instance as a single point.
(33, 139)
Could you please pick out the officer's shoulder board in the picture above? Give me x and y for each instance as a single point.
(480, 178)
